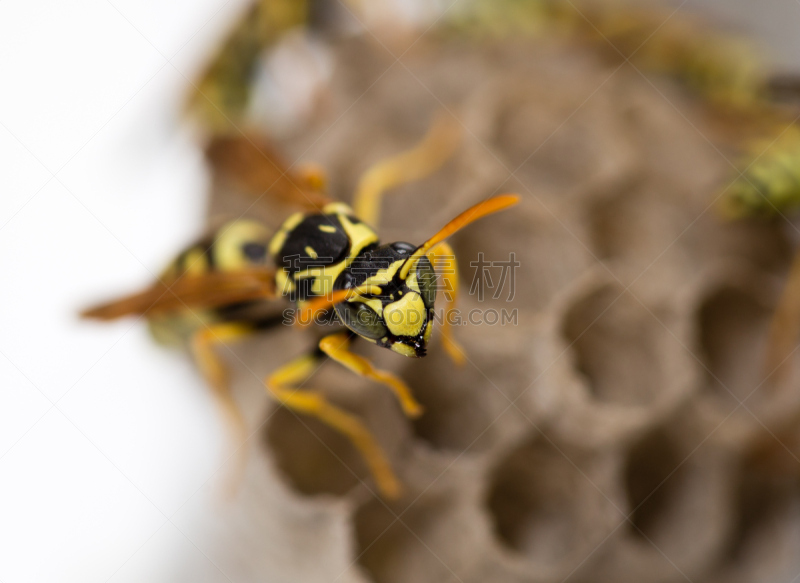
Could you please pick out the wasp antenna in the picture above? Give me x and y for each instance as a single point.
(472, 214)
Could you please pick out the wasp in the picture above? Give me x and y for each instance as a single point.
(329, 262)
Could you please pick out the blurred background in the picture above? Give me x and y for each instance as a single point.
(111, 448)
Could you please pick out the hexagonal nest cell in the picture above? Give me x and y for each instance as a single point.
(617, 346)
(456, 416)
(549, 503)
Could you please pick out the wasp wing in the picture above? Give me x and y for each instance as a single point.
(208, 290)
(254, 165)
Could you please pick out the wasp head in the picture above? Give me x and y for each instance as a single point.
(395, 309)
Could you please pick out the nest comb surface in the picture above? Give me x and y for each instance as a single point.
(602, 437)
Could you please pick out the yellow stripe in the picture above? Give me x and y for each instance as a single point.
(384, 276)
(406, 316)
(279, 239)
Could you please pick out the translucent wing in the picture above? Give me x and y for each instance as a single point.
(253, 163)
(208, 290)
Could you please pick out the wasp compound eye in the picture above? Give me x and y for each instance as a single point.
(426, 281)
(362, 320)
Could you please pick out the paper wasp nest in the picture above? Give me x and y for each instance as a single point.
(619, 431)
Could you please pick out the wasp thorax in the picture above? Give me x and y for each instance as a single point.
(311, 251)
(393, 312)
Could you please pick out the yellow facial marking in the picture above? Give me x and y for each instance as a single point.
(403, 349)
(411, 281)
(406, 316)
(311, 253)
(384, 276)
(428, 329)
(327, 228)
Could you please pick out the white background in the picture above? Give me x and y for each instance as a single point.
(103, 436)
(107, 442)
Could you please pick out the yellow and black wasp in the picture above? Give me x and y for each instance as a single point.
(329, 261)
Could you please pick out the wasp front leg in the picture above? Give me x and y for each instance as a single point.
(216, 374)
(337, 346)
(443, 260)
(434, 150)
(283, 386)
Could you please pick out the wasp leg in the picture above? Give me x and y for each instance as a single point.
(414, 164)
(443, 259)
(282, 385)
(216, 374)
(337, 346)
